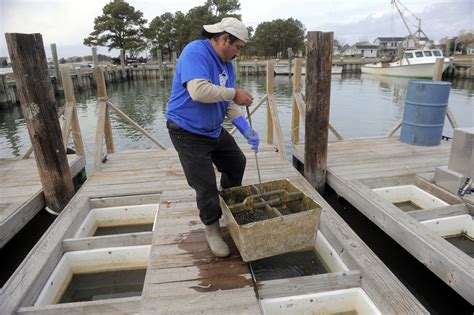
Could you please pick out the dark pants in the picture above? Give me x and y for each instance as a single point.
(197, 155)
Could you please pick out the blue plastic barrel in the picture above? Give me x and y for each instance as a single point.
(425, 108)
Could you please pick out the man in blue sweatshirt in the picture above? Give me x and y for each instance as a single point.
(202, 95)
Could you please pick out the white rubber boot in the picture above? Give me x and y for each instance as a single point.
(214, 239)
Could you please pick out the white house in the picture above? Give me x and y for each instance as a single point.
(424, 42)
(388, 46)
(364, 49)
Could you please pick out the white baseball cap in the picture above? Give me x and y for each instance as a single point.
(230, 25)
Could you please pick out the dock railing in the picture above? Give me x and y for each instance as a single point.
(104, 126)
(69, 112)
(273, 120)
(298, 105)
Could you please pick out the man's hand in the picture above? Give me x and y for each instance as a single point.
(243, 98)
(252, 139)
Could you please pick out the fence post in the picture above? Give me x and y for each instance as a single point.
(38, 105)
(54, 54)
(318, 92)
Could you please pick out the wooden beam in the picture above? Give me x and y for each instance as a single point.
(87, 243)
(270, 91)
(71, 122)
(272, 107)
(254, 109)
(295, 113)
(102, 96)
(159, 58)
(441, 212)
(392, 130)
(309, 284)
(335, 133)
(437, 75)
(318, 92)
(128, 305)
(438, 70)
(54, 55)
(38, 105)
(99, 135)
(135, 125)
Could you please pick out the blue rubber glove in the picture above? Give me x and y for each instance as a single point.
(249, 134)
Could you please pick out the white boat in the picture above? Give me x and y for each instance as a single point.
(418, 63)
(282, 69)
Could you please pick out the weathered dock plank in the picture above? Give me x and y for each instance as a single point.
(21, 194)
(182, 274)
(358, 165)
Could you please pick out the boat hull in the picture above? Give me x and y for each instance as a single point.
(424, 70)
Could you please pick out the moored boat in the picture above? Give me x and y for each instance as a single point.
(415, 63)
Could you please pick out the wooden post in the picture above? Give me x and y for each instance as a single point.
(3, 89)
(38, 105)
(270, 91)
(318, 92)
(95, 59)
(160, 64)
(448, 48)
(54, 54)
(295, 113)
(437, 75)
(438, 70)
(102, 96)
(272, 110)
(80, 81)
(290, 58)
(122, 63)
(71, 122)
(237, 70)
(104, 127)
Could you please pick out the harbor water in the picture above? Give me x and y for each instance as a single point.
(361, 106)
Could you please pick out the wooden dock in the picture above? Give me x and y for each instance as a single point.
(357, 166)
(182, 275)
(21, 194)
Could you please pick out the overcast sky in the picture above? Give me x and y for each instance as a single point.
(68, 22)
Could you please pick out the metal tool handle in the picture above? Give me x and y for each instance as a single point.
(256, 159)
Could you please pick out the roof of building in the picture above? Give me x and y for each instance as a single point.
(365, 45)
(390, 39)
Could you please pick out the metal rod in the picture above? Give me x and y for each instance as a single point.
(256, 159)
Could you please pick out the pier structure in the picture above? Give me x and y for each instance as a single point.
(358, 169)
(182, 276)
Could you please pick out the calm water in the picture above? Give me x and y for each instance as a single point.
(361, 106)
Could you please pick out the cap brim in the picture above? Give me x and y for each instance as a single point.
(213, 29)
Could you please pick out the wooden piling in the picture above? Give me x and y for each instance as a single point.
(295, 113)
(318, 92)
(3, 89)
(273, 121)
(237, 70)
(438, 70)
(38, 105)
(71, 121)
(122, 63)
(160, 64)
(54, 54)
(270, 90)
(290, 58)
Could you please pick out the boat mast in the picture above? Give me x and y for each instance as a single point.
(394, 2)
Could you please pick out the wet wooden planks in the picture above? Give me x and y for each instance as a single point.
(182, 275)
(21, 194)
(355, 166)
